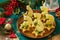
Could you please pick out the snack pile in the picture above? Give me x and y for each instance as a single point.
(37, 24)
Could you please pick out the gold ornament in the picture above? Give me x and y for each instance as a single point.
(8, 26)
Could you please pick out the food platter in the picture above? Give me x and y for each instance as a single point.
(29, 34)
(31, 31)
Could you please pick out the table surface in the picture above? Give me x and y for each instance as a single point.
(7, 38)
(22, 37)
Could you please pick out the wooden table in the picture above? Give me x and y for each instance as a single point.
(7, 38)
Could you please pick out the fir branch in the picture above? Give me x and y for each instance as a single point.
(3, 4)
(22, 5)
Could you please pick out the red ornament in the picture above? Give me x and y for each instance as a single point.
(2, 20)
(12, 35)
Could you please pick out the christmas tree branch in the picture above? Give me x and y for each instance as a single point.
(3, 4)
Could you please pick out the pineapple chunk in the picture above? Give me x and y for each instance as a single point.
(44, 12)
(40, 28)
(24, 26)
(30, 11)
(44, 8)
(50, 21)
(39, 25)
(35, 22)
(37, 15)
(50, 17)
(28, 19)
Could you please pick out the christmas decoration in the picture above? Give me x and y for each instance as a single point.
(8, 26)
(1, 15)
(17, 10)
(9, 20)
(10, 7)
(9, 12)
(12, 35)
(2, 20)
(5, 27)
(3, 31)
(22, 5)
(58, 13)
(3, 4)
